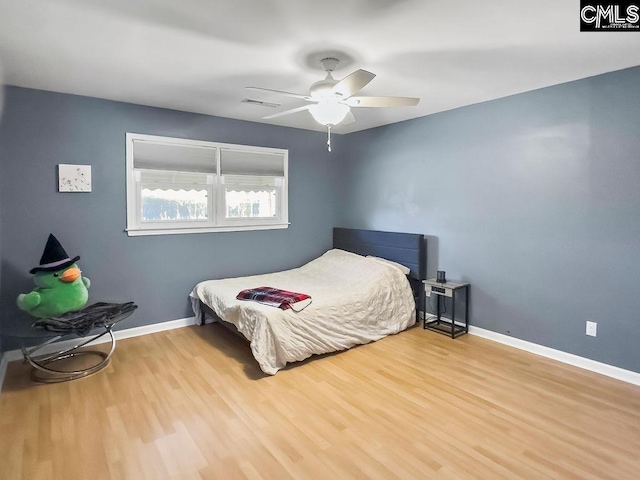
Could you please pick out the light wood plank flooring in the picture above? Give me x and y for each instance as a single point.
(192, 404)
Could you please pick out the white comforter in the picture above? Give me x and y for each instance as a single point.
(356, 300)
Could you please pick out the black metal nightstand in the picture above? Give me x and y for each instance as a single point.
(442, 290)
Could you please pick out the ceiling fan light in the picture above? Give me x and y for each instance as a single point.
(329, 112)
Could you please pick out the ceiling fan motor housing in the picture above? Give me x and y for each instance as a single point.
(322, 88)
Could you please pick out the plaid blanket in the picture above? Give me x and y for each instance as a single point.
(276, 298)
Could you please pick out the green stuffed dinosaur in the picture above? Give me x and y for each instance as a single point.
(60, 286)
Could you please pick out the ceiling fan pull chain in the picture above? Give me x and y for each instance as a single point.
(329, 137)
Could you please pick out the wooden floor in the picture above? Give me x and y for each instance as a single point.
(192, 404)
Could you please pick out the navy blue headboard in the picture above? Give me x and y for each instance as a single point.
(408, 249)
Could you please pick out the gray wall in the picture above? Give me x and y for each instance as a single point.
(41, 129)
(534, 199)
(1, 161)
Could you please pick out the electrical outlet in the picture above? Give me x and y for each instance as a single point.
(592, 329)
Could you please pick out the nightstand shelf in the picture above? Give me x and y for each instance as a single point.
(450, 290)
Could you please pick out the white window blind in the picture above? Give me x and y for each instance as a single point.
(179, 158)
(238, 162)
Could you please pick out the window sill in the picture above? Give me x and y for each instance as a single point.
(225, 228)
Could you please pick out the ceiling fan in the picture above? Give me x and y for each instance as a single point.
(331, 100)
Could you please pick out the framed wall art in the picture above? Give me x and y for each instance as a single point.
(74, 178)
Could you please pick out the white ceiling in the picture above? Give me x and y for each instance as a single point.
(197, 55)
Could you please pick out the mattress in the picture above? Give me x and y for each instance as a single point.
(355, 300)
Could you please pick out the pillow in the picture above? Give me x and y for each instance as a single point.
(402, 268)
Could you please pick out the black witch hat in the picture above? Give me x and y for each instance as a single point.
(54, 257)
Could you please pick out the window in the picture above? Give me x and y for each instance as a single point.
(186, 186)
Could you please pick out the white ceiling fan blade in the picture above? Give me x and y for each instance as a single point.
(287, 112)
(349, 119)
(280, 92)
(352, 83)
(381, 101)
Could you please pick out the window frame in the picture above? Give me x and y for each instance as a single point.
(217, 221)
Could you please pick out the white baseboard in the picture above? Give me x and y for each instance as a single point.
(13, 355)
(628, 376)
(155, 328)
(564, 357)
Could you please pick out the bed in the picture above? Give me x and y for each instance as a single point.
(362, 290)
